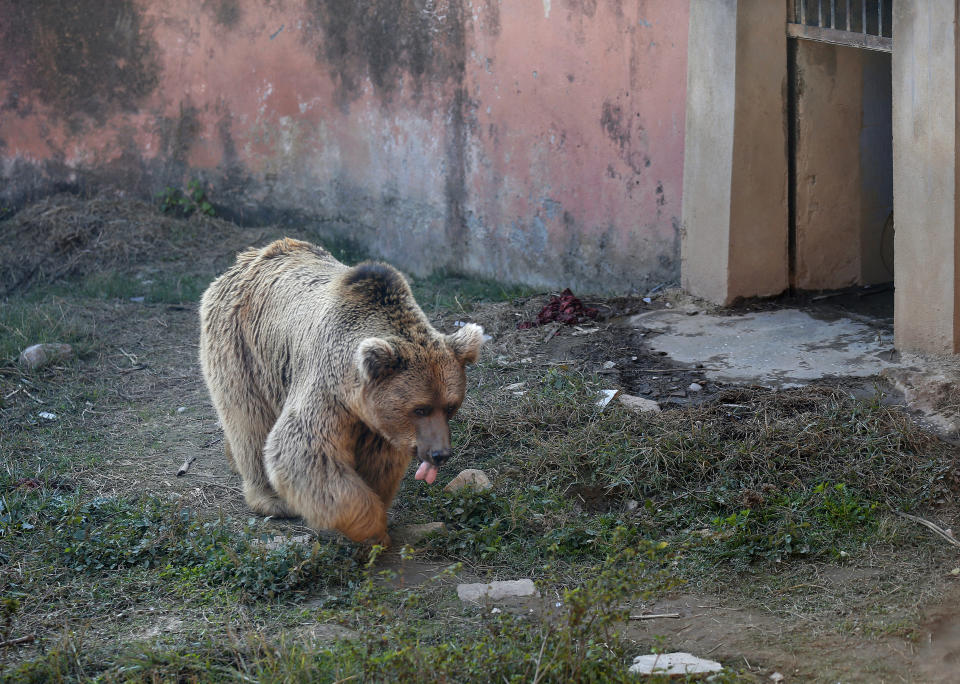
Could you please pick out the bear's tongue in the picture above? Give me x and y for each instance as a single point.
(426, 472)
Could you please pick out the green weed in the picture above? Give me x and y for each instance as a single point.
(184, 203)
(110, 535)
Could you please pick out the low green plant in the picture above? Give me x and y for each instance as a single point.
(182, 203)
(110, 535)
(806, 522)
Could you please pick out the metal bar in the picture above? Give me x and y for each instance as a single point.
(866, 41)
(803, 12)
(880, 17)
(833, 14)
(848, 15)
(820, 13)
(863, 5)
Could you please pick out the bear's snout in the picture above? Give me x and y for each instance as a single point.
(439, 456)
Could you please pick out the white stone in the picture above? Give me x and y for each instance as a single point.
(515, 386)
(695, 387)
(471, 477)
(607, 365)
(673, 664)
(181, 409)
(639, 404)
(776, 677)
(41, 354)
(606, 396)
(497, 590)
(46, 415)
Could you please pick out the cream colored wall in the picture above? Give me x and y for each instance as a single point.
(925, 189)
(735, 164)
(843, 165)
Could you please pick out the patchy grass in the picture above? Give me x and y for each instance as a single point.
(752, 476)
(459, 294)
(34, 320)
(124, 572)
(581, 639)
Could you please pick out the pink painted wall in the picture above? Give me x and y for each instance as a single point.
(537, 141)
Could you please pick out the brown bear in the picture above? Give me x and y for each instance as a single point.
(327, 381)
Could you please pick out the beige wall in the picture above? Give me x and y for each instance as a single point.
(843, 166)
(925, 180)
(735, 165)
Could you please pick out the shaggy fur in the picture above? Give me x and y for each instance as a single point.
(327, 380)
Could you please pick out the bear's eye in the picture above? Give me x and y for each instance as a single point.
(423, 411)
(451, 409)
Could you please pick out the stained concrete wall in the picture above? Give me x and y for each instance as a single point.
(537, 141)
(925, 144)
(844, 166)
(735, 213)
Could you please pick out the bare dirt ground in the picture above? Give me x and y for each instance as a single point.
(134, 402)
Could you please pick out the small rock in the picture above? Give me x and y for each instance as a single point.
(46, 415)
(673, 664)
(776, 677)
(169, 624)
(955, 572)
(138, 300)
(471, 477)
(496, 591)
(633, 505)
(607, 365)
(181, 409)
(639, 404)
(279, 541)
(411, 534)
(324, 633)
(695, 387)
(515, 386)
(41, 354)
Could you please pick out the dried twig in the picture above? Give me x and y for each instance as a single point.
(947, 535)
(655, 616)
(29, 639)
(186, 466)
(553, 331)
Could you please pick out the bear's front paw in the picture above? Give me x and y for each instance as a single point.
(381, 539)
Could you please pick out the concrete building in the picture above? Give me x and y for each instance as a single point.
(807, 122)
(743, 147)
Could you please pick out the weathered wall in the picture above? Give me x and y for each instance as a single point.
(844, 166)
(925, 181)
(535, 141)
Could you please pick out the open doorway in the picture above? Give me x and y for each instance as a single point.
(840, 143)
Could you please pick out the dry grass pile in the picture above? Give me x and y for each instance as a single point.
(65, 236)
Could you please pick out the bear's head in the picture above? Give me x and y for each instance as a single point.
(411, 389)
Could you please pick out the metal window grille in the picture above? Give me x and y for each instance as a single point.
(864, 24)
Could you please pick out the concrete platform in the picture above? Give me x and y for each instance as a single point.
(781, 348)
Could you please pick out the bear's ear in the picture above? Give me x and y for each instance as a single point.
(376, 359)
(466, 342)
